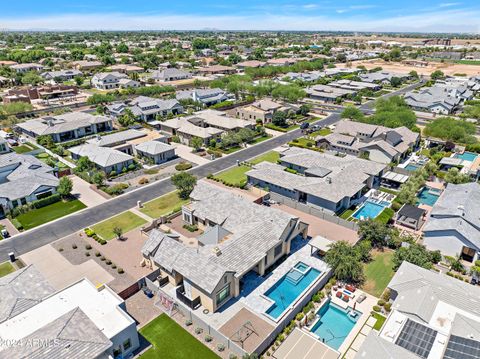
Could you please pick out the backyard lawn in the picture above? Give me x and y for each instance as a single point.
(39, 216)
(378, 272)
(170, 341)
(26, 147)
(6, 268)
(163, 205)
(126, 221)
(236, 175)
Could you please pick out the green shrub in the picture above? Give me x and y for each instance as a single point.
(208, 338)
(87, 254)
(46, 201)
(376, 308)
(102, 242)
(88, 247)
(17, 224)
(89, 232)
(183, 166)
(97, 254)
(300, 316)
(131, 167)
(198, 330)
(381, 302)
(120, 270)
(387, 306)
(316, 298)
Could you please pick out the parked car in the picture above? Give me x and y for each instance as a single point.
(5, 233)
(304, 125)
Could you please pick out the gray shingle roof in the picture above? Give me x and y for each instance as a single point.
(457, 209)
(375, 347)
(116, 138)
(154, 147)
(253, 229)
(419, 291)
(102, 156)
(74, 334)
(26, 174)
(21, 290)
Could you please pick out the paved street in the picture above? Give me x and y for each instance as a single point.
(37, 237)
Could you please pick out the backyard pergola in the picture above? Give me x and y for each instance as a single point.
(320, 244)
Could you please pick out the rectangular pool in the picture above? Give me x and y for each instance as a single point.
(369, 210)
(428, 196)
(289, 288)
(466, 156)
(335, 324)
(412, 167)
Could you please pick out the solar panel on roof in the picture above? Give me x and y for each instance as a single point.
(462, 348)
(416, 338)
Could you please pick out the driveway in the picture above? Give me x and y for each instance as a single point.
(82, 190)
(186, 153)
(59, 272)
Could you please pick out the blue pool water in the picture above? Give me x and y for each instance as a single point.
(287, 289)
(411, 167)
(334, 325)
(370, 210)
(466, 156)
(428, 196)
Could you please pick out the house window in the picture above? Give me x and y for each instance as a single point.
(223, 294)
(127, 344)
(186, 217)
(23, 201)
(278, 250)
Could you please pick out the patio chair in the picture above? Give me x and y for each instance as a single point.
(339, 294)
(361, 298)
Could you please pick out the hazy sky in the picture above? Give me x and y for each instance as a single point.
(373, 15)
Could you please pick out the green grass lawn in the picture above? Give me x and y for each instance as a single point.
(347, 213)
(48, 213)
(236, 175)
(260, 139)
(126, 221)
(378, 272)
(380, 320)
(163, 205)
(6, 268)
(170, 341)
(26, 147)
(322, 132)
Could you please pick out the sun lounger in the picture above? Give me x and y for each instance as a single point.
(350, 288)
(361, 298)
(339, 294)
(345, 298)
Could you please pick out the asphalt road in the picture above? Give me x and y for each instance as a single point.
(37, 237)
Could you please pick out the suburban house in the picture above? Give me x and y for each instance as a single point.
(380, 144)
(250, 64)
(155, 151)
(303, 76)
(112, 80)
(411, 217)
(66, 127)
(261, 110)
(23, 68)
(170, 74)
(125, 68)
(81, 320)
(382, 77)
(239, 236)
(24, 179)
(207, 125)
(62, 75)
(328, 93)
(454, 223)
(434, 99)
(85, 65)
(147, 108)
(207, 97)
(433, 316)
(46, 92)
(320, 180)
(106, 159)
(355, 85)
(216, 70)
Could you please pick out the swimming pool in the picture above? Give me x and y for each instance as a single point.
(370, 210)
(412, 167)
(289, 288)
(467, 156)
(335, 324)
(428, 196)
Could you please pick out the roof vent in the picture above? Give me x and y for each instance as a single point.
(329, 180)
(217, 251)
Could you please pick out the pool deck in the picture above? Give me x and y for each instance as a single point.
(256, 300)
(365, 307)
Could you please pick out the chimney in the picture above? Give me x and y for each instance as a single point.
(217, 251)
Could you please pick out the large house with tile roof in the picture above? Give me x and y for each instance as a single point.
(380, 144)
(238, 236)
